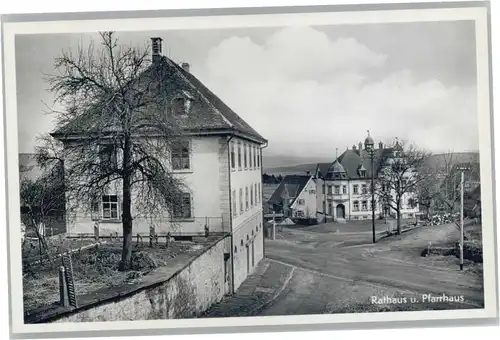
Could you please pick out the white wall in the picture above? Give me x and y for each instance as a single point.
(306, 201)
(204, 182)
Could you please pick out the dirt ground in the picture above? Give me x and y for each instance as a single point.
(95, 268)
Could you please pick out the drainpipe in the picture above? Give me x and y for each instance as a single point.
(231, 251)
(261, 203)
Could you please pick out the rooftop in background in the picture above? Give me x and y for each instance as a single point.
(290, 187)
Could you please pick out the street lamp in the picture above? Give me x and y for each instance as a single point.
(369, 147)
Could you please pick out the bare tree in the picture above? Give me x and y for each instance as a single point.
(400, 175)
(116, 131)
(42, 198)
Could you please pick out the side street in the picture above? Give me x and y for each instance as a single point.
(312, 271)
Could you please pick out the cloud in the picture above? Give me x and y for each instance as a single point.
(308, 93)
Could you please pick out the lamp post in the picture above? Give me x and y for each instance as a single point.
(369, 147)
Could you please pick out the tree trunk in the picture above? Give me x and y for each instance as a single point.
(126, 208)
(398, 218)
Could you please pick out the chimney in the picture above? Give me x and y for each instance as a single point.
(380, 145)
(185, 66)
(156, 48)
(360, 146)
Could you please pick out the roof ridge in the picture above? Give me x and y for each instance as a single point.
(178, 70)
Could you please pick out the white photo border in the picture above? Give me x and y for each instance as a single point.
(327, 16)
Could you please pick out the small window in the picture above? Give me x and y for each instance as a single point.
(248, 238)
(252, 232)
(258, 158)
(337, 189)
(239, 155)
(233, 160)
(110, 207)
(241, 243)
(251, 196)
(363, 189)
(241, 201)
(255, 157)
(183, 208)
(235, 249)
(179, 106)
(250, 156)
(246, 198)
(364, 205)
(108, 156)
(355, 206)
(323, 189)
(180, 156)
(235, 212)
(300, 213)
(245, 160)
(355, 189)
(301, 201)
(329, 190)
(256, 194)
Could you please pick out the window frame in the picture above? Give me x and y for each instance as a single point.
(232, 155)
(189, 198)
(355, 189)
(355, 206)
(182, 157)
(111, 203)
(234, 205)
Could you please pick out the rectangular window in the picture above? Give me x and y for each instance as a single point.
(180, 156)
(110, 207)
(355, 206)
(239, 155)
(250, 157)
(260, 195)
(364, 205)
(183, 208)
(255, 157)
(344, 189)
(246, 198)
(256, 194)
(241, 201)
(258, 158)
(337, 189)
(235, 212)
(355, 189)
(233, 160)
(108, 156)
(363, 189)
(245, 160)
(329, 190)
(323, 189)
(251, 195)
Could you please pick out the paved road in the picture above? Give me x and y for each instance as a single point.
(334, 268)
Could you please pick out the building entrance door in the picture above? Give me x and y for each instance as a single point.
(341, 211)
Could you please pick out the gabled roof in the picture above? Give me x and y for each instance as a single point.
(209, 114)
(290, 187)
(352, 161)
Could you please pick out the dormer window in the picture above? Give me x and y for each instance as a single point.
(181, 105)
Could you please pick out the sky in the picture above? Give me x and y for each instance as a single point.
(308, 89)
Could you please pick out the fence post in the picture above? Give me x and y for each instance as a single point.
(151, 234)
(62, 287)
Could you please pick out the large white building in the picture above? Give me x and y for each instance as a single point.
(343, 186)
(220, 163)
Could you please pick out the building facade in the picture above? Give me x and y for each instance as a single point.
(344, 186)
(219, 161)
(295, 197)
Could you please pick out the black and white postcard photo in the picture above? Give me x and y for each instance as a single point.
(265, 169)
